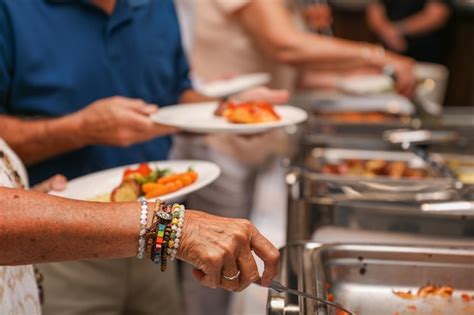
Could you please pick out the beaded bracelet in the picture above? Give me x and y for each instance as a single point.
(164, 219)
(143, 222)
(176, 229)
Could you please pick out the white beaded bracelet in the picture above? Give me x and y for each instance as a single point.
(143, 222)
(176, 230)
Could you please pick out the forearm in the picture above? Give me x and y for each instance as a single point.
(377, 19)
(433, 17)
(287, 44)
(39, 139)
(36, 228)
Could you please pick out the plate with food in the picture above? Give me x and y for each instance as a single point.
(229, 117)
(164, 180)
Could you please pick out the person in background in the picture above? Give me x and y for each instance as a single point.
(36, 228)
(78, 80)
(242, 37)
(410, 27)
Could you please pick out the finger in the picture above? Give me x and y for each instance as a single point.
(58, 182)
(140, 106)
(230, 269)
(248, 268)
(269, 255)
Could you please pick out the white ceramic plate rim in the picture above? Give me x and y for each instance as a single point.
(176, 116)
(207, 173)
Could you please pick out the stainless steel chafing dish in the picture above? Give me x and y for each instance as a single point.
(316, 200)
(313, 162)
(363, 278)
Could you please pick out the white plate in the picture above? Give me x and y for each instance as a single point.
(200, 118)
(233, 85)
(366, 84)
(91, 186)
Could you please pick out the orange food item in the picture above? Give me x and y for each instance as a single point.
(411, 307)
(465, 297)
(169, 184)
(248, 113)
(330, 297)
(404, 295)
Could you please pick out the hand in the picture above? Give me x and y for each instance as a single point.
(393, 39)
(263, 94)
(218, 246)
(55, 183)
(119, 121)
(405, 75)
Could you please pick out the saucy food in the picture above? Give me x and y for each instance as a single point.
(251, 112)
(370, 168)
(148, 182)
(427, 291)
(362, 117)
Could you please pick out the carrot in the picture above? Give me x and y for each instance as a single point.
(158, 191)
(179, 183)
(149, 187)
(168, 179)
(193, 175)
(187, 179)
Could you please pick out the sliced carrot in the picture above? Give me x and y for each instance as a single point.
(193, 175)
(149, 187)
(179, 184)
(158, 191)
(168, 179)
(187, 179)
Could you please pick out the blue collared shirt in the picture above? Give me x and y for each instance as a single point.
(58, 56)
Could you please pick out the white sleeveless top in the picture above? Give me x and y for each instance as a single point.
(18, 289)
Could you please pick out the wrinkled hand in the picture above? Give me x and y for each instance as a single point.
(119, 121)
(263, 94)
(218, 246)
(405, 75)
(55, 183)
(393, 39)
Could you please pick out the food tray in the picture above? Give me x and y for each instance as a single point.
(363, 277)
(317, 157)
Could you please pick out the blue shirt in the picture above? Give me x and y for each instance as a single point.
(56, 57)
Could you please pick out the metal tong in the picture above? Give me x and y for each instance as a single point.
(277, 286)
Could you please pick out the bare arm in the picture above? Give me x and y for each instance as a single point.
(36, 227)
(271, 26)
(434, 16)
(35, 140)
(376, 18)
(113, 121)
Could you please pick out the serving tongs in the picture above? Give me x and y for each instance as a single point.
(277, 286)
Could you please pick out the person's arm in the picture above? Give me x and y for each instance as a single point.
(273, 30)
(116, 121)
(380, 24)
(431, 18)
(37, 228)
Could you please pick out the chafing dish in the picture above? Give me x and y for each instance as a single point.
(314, 161)
(363, 278)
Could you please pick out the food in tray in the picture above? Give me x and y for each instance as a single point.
(370, 168)
(252, 112)
(362, 117)
(464, 170)
(148, 182)
(427, 291)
